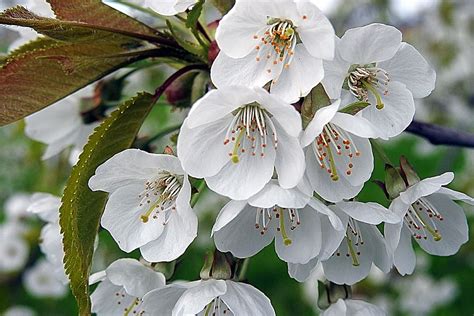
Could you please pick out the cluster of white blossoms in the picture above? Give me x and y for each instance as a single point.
(288, 183)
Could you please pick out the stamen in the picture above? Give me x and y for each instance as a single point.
(368, 78)
(421, 219)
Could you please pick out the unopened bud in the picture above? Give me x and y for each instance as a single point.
(394, 183)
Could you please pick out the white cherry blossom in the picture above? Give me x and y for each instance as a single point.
(43, 281)
(351, 307)
(122, 287)
(373, 65)
(282, 42)
(290, 217)
(148, 206)
(431, 218)
(347, 255)
(14, 250)
(19, 310)
(235, 137)
(207, 297)
(70, 129)
(16, 206)
(169, 7)
(339, 156)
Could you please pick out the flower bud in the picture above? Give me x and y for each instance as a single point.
(394, 183)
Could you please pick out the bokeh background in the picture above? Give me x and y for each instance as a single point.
(442, 30)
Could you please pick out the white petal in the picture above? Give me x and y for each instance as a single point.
(331, 238)
(426, 187)
(335, 72)
(228, 213)
(356, 125)
(323, 116)
(162, 301)
(106, 302)
(163, 7)
(283, 113)
(122, 218)
(195, 299)
(397, 113)
(46, 206)
(315, 30)
(370, 213)
(337, 309)
(239, 181)
(236, 31)
(410, 68)
(392, 233)
(246, 71)
(332, 217)
(301, 272)
(340, 267)
(131, 166)
(305, 238)
(178, 234)
(371, 43)
(290, 161)
(273, 194)
(201, 150)
(136, 278)
(302, 75)
(244, 299)
(361, 308)
(381, 256)
(404, 257)
(332, 191)
(240, 236)
(218, 103)
(453, 228)
(455, 195)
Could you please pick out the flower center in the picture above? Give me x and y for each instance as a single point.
(354, 242)
(421, 220)
(133, 308)
(363, 80)
(334, 141)
(277, 43)
(264, 216)
(248, 131)
(159, 196)
(216, 307)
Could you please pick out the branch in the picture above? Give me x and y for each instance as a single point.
(438, 135)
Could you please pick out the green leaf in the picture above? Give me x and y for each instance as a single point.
(95, 12)
(315, 100)
(194, 14)
(187, 45)
(46, 71)
(355, 107)
(65, 30)
(223, 6)
(81, 208)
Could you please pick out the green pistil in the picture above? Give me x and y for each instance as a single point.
(286, 240)
(374, 91)
(235, 152)
(145, 217)
(436, 235)
(332, 163)
(208, 309)
(130, 308)
(355, 259)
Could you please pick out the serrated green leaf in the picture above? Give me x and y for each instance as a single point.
(194, 14)
(97, 13)
(65, 30)
(34, 79)
(315, 100)
(81, 209)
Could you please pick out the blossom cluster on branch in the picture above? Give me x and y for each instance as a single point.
(286, 130)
